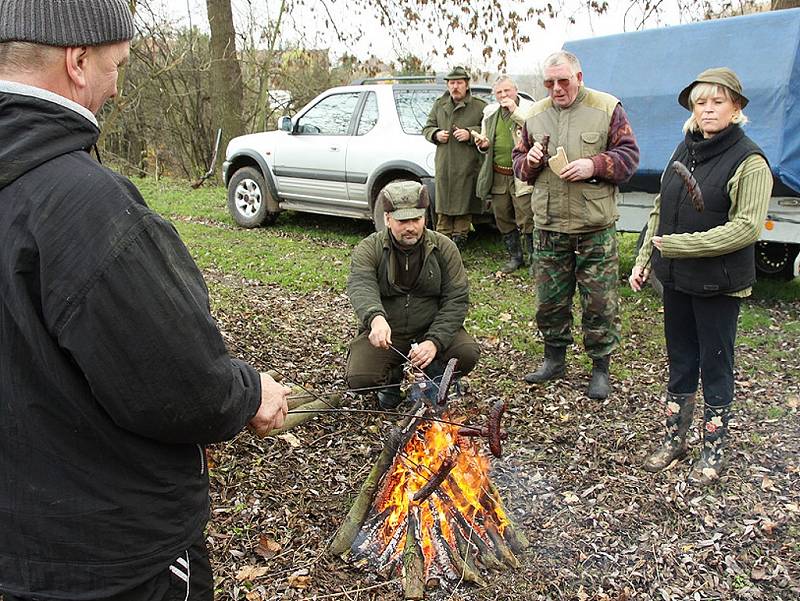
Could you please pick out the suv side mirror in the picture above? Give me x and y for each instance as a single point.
(285, 123)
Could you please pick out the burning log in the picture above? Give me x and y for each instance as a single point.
(434, 483)
(413, 559)
(353, 522)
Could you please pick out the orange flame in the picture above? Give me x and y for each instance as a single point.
(467, 492)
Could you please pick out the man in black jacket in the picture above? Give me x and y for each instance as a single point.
(113, 374)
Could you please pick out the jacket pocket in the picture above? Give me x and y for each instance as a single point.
(592, 143)
(599, 207)
(540, 203)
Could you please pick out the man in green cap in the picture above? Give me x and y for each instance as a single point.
(410, 293)
(453, 121)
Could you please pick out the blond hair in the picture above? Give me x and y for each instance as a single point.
(707, 90)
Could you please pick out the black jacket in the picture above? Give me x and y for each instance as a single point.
(113, 373)
(713, 162)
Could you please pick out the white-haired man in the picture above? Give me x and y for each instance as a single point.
(501, 130)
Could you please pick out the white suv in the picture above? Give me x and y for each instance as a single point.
(336, 154)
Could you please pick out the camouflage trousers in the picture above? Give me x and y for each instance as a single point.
(590, 262)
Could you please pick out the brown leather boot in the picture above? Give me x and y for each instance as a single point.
(680, 410)
(708, 467)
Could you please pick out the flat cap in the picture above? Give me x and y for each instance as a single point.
(404, 200)
(65, 23)
(721, 76)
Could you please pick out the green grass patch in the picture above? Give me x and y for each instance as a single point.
(297, 265)
(176, 199)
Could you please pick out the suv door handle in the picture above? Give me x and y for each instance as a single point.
(334, 149)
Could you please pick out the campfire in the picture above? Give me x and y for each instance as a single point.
(428, 510)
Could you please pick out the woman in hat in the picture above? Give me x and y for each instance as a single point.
(700, 239)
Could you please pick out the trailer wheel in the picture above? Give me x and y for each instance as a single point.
(654, 282)
(776, 259)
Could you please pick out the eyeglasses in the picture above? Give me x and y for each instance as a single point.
(562, 83)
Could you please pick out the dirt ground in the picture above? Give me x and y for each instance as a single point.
(600, 527)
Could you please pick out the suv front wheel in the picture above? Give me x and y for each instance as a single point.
(249, 199)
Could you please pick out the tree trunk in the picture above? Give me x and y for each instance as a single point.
(781, 4)
(226, 75)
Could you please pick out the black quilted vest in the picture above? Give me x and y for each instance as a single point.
(713, 162)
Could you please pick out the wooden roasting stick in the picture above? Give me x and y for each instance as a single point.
(695, 195)
(309, 405)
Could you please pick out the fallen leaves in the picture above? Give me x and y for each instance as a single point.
(571, 478)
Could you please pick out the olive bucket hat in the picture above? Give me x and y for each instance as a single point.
(721, 76)
(404, 200)
(457, 73)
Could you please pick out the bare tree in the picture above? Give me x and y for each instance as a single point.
(226, 72)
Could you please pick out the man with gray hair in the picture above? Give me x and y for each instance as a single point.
(113, 373)
(510, 198)
(577, 146)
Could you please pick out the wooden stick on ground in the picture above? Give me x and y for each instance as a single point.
(348, 530)
(413, 560)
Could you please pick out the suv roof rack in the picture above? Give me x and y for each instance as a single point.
(398, 78)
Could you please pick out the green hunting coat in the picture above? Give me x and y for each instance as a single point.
(457, 163)
(434, 309)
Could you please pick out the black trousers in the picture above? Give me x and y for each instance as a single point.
(700, 334)
(187, 578)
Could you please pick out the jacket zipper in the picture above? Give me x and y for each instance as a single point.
(202, 459)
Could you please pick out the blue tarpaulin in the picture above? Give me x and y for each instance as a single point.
(647, 69)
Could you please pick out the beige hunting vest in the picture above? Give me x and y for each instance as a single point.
(582, 129)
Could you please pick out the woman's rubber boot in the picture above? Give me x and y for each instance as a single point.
(708, 468)
(553, 367)
(680, 410)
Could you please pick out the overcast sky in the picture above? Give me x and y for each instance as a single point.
(375, 41)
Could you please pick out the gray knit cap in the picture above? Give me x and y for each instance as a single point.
(65, 23)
